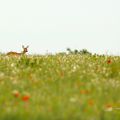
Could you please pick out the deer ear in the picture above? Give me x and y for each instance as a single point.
(23, 46)
(27, 46)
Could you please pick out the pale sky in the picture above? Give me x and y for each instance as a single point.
(55, 25)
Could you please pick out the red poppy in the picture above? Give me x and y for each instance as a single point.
(84, 92)
(91, 102)
(25, 98)
(109, 61)
(16, 93)
(108, 105)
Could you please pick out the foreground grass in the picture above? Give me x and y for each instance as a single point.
(60, 87)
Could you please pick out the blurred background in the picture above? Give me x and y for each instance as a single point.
(54, 25)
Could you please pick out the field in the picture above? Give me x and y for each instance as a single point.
(60, 87)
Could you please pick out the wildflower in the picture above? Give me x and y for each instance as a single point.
(26, 98)
(90, 102)
(16, 93)
(2, 74)
(12, 65)
(109, 61)
(108, 107)
(84, 92)
(62, 74)
(73, 99)
(14, 82)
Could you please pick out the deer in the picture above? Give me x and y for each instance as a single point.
(25, 50)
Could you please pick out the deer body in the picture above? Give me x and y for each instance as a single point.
(25, 49)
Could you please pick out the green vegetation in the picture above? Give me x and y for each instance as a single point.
(60, 87)
(82, 52)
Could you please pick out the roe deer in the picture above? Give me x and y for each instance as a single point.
(25, 49)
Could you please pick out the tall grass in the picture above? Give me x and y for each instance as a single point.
(60, 87)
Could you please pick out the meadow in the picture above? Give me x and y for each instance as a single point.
(60, 87)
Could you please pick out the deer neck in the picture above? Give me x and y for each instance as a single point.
(23, 52)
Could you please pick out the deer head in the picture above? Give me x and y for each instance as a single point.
(25, 49)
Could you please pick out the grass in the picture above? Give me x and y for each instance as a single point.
(60, 87)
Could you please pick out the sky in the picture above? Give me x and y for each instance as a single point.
(54, 25)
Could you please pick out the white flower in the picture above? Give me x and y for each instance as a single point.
(109, 109)
(12, 65)
(2, 74)
(73, 99)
